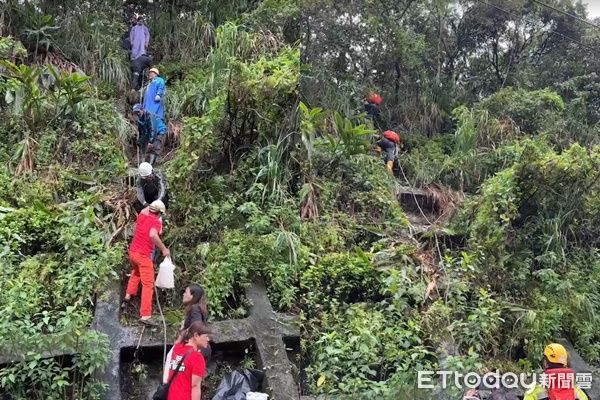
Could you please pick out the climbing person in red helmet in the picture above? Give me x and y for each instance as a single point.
(389, 144)
(372, 109)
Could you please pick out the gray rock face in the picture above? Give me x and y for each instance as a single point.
(265, 327)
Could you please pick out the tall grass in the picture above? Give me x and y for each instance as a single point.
(274, 174)
(89, 39)
(111, 117)
(231, 42)
(187, 38)
(319, 91)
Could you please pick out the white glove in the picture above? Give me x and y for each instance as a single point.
(157, 98)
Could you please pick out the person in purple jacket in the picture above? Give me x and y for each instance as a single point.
(139, 36)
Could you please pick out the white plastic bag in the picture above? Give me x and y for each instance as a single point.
(167, 366)
(256, 396)
(165, 278)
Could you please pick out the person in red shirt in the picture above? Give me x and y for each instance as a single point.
(187, 384)
(146, 235)
(194, 298)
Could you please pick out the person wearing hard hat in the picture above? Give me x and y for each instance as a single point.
(372, 109)
(152, 130)
(155, 92)
(146, 235)
(151, 185)
(559, 380)
(389, 143)
(139, 37)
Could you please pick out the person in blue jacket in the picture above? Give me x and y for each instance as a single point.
(154, 102)
(152, 130)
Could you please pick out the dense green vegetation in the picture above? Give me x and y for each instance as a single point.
(271, 175)
(233, 75)
(60, 147)
(495, 105)
(232, 174)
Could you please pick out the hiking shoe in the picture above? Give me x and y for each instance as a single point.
(148, 321)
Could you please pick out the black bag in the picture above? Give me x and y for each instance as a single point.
(162, 393)
(235, 385)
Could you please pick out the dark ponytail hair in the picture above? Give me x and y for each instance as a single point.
(198, 300)
(197, 327)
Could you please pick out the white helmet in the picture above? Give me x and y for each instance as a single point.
(158, 206)
(145, 169)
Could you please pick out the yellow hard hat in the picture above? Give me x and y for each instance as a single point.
(556, 353)
(155, 70)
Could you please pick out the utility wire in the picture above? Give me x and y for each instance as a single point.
(575, 41)
(585, 21)
(551, 32)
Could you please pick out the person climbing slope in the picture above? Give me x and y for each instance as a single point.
(146, 235)
(196, 309)
(155, 92)
(139, 38)
(388, 143)
(372, 109)
(186, 383)
(152, 130)
(151, 185)
(138, 66)
(559, 380)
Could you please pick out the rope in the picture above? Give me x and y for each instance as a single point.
(162, 317)
(142, 88)
(140, 339)
(138, 133)
(137, 348)
(414, 196)
(437, 243)
(141, 92)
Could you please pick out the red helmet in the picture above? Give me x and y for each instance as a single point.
(374, 98)
(391, 135)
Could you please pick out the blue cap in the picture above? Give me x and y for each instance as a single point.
(137, 107)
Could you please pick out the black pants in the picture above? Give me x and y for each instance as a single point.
(157, 146)
(139, 207)
(151, 153)
(137, 67)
